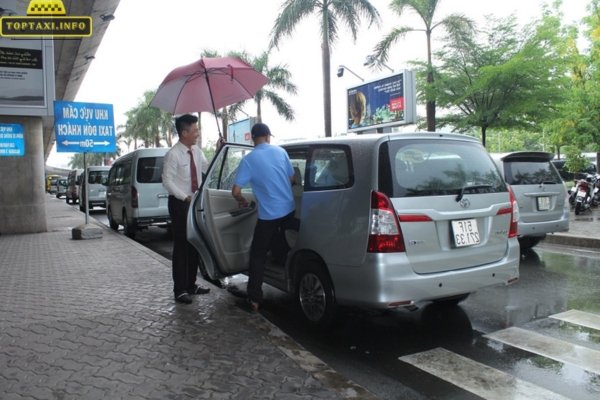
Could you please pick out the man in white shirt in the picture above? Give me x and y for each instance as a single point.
(183, 166)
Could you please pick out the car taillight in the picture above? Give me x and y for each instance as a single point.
(134, 197)
(385, 235)
(513, 210)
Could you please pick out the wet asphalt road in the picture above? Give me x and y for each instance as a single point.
(365, 346)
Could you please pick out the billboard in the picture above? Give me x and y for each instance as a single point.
(385, 102)
(239, 132)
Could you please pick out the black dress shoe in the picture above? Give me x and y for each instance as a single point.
(199, 290)
(184, 298)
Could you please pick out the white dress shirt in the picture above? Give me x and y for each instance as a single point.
(176, 176)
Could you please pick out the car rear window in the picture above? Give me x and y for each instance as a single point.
(410, 168)
(149, 170)
(530, 172)
(98, 177)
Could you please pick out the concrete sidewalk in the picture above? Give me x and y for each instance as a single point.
(95, 319)
(584, 231)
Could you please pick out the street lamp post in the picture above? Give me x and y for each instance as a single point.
(340, 72)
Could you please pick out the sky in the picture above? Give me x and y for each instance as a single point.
(145, 42)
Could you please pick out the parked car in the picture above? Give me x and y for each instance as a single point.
(541, 194)
(61, 187)
(73, 182)
(385, 221)
(135, 196)
(96, 179)
(569, 176)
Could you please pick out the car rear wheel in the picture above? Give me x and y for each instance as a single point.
(111, 221)
(129, 228)
(315, 295)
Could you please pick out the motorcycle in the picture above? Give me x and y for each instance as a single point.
(596, 191)
(581, 194)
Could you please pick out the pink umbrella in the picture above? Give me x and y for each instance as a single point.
(208, 85)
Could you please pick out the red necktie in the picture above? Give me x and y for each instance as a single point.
(193, 172)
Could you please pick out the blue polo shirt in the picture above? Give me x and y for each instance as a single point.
(268, 170)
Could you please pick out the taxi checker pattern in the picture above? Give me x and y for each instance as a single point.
(51, 7)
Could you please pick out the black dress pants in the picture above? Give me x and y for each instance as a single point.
(185, 256)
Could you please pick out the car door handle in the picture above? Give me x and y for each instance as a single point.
(245, 210)
(162, 195)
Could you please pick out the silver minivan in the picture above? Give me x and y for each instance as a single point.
(135, 194)
(96, 180)
(540, 192)
(385, 221)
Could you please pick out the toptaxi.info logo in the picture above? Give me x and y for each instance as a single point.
(46, 19)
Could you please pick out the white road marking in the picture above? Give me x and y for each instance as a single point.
(546, 346)
(581, 318)
(486, 382)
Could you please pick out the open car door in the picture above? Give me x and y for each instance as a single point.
(220, 230)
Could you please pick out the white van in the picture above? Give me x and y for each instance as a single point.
(135, 194)
(96, 179)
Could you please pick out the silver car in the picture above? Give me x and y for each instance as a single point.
(540, 191)
(385, 221)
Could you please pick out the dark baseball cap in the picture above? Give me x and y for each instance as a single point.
(260, 129)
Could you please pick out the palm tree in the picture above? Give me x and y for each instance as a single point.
(279, 79)
(330, 13)
(425, 9)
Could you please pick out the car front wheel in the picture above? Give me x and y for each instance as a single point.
(315, 295)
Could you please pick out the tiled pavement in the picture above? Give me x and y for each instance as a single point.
(95, 319)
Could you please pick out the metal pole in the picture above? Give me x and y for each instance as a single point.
(87, 189)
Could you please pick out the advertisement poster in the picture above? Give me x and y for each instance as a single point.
(12, 141)
(384, 102)
(26, 69)
(21, 73)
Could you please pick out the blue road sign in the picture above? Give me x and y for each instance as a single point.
(84, 127)
(12, 141)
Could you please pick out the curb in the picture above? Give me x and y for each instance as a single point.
(571, 240)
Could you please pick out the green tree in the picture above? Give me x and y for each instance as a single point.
(149, 124)
(586, 94)
(331, 13)
(279, 80)
(425, 9)
(90, 158)
(504, 77)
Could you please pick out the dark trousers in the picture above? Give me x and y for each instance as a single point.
(185, 256)
(266, 232)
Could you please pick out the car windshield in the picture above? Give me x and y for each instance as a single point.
(428, 168)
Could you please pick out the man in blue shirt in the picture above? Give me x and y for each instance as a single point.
(269, 171)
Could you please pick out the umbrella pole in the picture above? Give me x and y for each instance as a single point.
(212, 101)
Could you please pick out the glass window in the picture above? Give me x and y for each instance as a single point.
(329, 168)
(149, 170)
(222, 175)
(530, 173)
(97, 177)
(427, 168)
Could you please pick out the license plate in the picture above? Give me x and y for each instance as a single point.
(543, 203)
(465, 232)
(581, 193)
